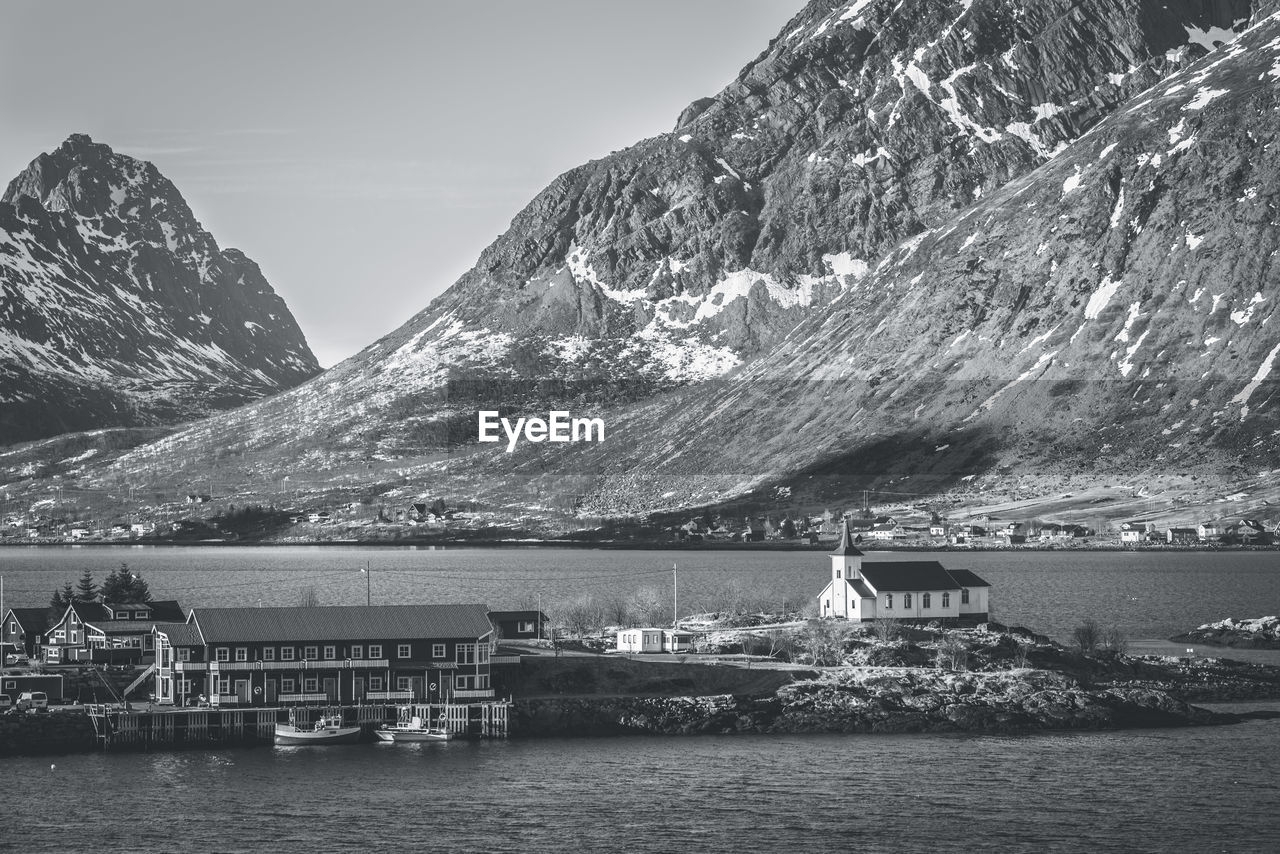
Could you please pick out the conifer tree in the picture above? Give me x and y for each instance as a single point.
(87, 588)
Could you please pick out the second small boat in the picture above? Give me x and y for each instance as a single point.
(327, 730)
(412, 729)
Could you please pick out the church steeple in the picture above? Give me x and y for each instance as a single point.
(846, 564)
(846, 548)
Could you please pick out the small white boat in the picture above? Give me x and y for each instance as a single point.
(412, 729)
(327, 730)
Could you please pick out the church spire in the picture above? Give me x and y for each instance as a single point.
(846, 548)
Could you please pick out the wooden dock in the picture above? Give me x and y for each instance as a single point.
(158, 727)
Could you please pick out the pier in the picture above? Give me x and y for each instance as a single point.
(120, 727)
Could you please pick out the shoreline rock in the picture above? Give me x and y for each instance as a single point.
(1256, 633)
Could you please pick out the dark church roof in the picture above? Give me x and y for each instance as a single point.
(908, 575)
(845, 547)
(965, 578)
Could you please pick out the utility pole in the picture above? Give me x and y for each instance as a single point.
(368, 583)
(675, 599)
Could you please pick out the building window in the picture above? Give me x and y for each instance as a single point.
(402, 651)
(946, 600)
(184, 686)
(526, 627)
(906, 600)
(268, 653)
(311, 653)
(288, 686)
(888, 601)
(311, 684)
(925, 600)
(964, 596)
(402, 683)
(462, 683)
(484, 653)
(437, 650)
(286, 653)
(184, 654)
(224, 685)
(242, 653)
(357, 651)
(222, 654)
(837, 573)
(375, 650)
(375, 683)
(330, 653)
(466, 653)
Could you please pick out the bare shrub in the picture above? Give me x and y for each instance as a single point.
(1114, 640)
(308, 597)
(888, 629)
(1021, 654)
(651, 607)
(581, 616)
(821, 643)
(953, 654)
(1087, 636)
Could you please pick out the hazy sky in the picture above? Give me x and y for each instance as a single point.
(363, 153)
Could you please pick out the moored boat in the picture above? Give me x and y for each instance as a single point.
(412, 728)
(327, 730)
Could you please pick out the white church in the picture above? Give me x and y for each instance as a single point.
(905, 590)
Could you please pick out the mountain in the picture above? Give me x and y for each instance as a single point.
(118, 309)
(942, 241)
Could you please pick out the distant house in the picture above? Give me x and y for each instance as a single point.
(1182, 536)
(904, 590)
(1208, 530)
(320, 517)
(513, 625)
(654, 640)
(937, 529)
(141, 529)
(1132, 532)
(78, 533)
(887, 531)
(197, 498)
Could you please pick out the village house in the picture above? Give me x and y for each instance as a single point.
(23, 629)
(1132, 532)
(1208, 530)
(903, 590)
(347, 655)
(517, 625)
(88, 626)
(1182, 536)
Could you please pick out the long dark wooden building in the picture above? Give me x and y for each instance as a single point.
(327, 655)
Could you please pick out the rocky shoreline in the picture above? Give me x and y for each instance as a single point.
(1257, 633)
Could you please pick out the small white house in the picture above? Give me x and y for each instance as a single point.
(654, 640)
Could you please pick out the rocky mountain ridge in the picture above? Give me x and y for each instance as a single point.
(119, 309)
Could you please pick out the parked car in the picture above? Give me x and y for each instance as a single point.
(5, 703)
(33, 701)
(16, 660)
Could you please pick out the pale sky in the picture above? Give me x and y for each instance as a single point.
(363, 153)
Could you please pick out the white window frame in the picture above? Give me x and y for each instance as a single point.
(286, 653)
(375, 683)
(184, 653)
(926, 600)
(906, 600)
(964, 595)
(437, 650)
(946, 599)
(461, 682)
(288, 686)
(330, 653)
(527, 626)
(888, 601)
(242, 653)
(404, 650)
(375, 651)
(311, 684)
(222, 653)
(357, 651)
(403, 683)
(465, 653)
(224, 684)
(268, 653)
(311, 653)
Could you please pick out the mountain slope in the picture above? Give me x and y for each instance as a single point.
(1106, 316)
(118, 309)
(676, 260)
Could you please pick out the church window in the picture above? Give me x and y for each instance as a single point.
(964, 596)
(888, 600)
(924, 601)
(946, 600)
(906, 600)
(837, 573)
